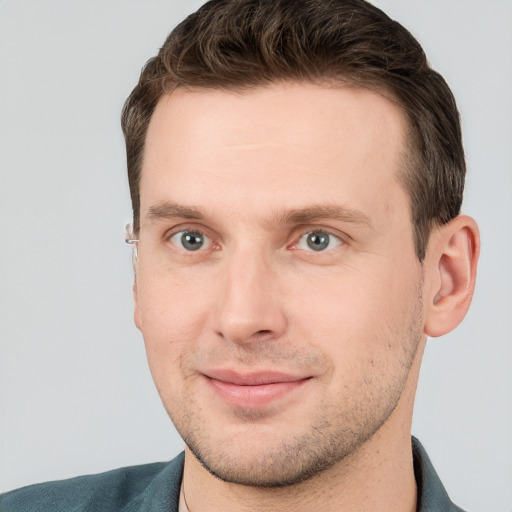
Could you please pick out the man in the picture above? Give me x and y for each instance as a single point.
(296, 173)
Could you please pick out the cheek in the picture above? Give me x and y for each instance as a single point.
(173, 313)
(357, 316)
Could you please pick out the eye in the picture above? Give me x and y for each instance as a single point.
(318, 241)
(190, 240)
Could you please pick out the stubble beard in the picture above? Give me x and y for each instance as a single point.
(338, 432)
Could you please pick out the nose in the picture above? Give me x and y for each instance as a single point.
(250, 305)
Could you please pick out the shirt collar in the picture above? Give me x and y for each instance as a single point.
(432, 496)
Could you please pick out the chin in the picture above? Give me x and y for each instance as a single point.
(267, 462)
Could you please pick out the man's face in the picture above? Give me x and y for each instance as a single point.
(277, 287)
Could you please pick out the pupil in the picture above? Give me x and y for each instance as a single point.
(192, 241)
(318, 241)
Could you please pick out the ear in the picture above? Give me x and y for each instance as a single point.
(451, 263)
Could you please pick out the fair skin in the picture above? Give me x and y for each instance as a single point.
(282, 304)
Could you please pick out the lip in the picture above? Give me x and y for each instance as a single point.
(255, 389)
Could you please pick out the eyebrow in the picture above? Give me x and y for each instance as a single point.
(167, 210)
(307, 215)
(323, 212)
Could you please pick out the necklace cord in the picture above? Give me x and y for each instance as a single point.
(184, 497)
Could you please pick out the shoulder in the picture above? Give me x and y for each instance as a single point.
(148, 486)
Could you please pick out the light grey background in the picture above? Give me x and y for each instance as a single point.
(75, 392)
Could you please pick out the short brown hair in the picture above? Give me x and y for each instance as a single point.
(240, 44)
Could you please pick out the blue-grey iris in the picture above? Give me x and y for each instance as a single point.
(192, 240)
(318, 240)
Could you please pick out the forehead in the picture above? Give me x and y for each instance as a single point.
(289, 143)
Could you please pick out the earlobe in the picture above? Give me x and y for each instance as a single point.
(452, 261)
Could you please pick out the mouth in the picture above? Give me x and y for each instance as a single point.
(255, 389)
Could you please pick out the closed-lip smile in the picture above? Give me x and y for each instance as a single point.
(253, 389)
